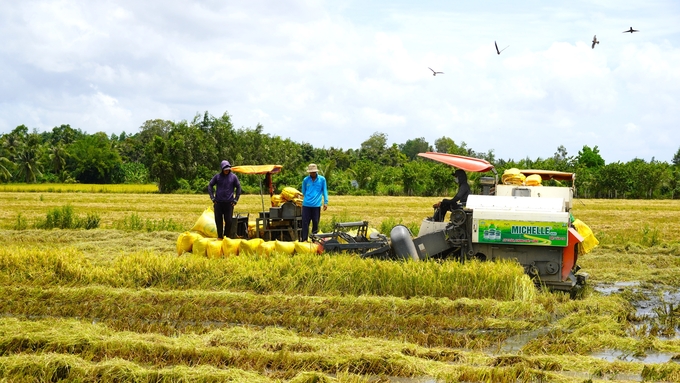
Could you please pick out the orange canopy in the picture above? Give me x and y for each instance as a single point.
(469, 164)
(257, 169)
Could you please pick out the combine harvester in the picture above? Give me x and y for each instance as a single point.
(511, 220)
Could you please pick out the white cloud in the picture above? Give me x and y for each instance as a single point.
(334, 73)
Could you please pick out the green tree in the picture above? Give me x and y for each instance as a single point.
(94, 158)
(613, 180)
(676, 158)
(373, 148)
(590, 158)
(645, 177)
(5, 166)
(27, 158)
(416, 178)
(366, 175)
(411, 148)
(447, 145)
(161, 168)
(58, 156)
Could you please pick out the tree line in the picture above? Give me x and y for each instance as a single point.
(181, 157)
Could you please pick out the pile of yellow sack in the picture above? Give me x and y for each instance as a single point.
(287, 194)
(195, 243)
(202, 239)
(513, 176)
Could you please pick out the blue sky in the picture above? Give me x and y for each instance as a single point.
(332, 73)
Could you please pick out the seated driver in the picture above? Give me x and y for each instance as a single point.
(458, 201)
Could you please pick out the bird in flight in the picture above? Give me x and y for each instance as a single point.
(595, 41)
(631, 30)
(499, 51)
(434, 73)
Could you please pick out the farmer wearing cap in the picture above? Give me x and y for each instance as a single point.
(224, 199)
(315, 194)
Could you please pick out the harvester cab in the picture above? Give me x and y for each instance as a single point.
(515, 219)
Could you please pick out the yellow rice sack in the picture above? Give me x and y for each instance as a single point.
(533, 180)
(277, 200)
(249, 247)
(201, 247)
(288, 193)
(266, 248)
(230, 246)
(185, 241)
(285, 247)
(589, 240)
(306, 247)
(206, 224)
(215, 248)
(252, 228)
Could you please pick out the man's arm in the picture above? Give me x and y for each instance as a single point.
(210, 188)
(237, 189)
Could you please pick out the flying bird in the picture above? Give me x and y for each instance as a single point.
(631, 30)
(434, 73)
(595, 41)
(499, 51)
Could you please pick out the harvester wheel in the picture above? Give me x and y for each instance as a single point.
(458, 217)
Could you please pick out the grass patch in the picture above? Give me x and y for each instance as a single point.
(65, 218)
(79, 188)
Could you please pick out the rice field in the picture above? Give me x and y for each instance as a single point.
(117, 304)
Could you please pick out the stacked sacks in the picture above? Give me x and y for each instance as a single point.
(204, 228)
(513, 176)
(206, 224)
(287, 194)
(196, 244)
(292, 194)
(202, 240)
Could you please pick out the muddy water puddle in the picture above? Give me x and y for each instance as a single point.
(648, 358)
(657, 307)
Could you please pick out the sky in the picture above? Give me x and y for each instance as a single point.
(333, 73)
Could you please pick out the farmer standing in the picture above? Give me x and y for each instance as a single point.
(315, 193)
(224, 199)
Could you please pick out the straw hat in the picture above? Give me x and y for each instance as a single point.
(312, 168)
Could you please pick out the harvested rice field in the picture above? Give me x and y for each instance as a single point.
(117, 304)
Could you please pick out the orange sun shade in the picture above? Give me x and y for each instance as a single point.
(469, 164)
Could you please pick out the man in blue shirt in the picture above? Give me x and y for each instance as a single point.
(224, 199)
(315, 194)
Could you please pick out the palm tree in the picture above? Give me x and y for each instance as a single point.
(4, 171)
(27, 159)
(58, 157)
